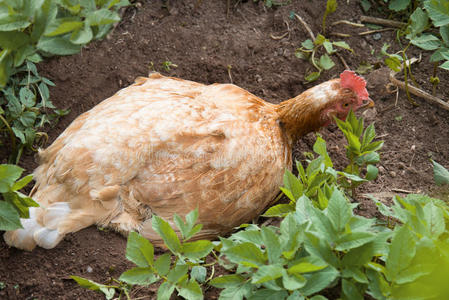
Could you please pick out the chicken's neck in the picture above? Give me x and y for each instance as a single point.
(299, 116)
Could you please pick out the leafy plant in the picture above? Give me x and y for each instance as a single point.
(310, 49)
(440, 174)
(186, 256)
(24, 108)
(15, 204)
(29, 29)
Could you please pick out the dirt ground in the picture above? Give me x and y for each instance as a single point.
(208, 44)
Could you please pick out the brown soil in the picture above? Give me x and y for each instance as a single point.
(210, 45)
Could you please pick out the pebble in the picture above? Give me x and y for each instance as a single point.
(393, 174)
(377, 36)
(89, 269)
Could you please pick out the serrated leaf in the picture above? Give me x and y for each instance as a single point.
(236, 292)
(191, 290)
(245, 252)
(92, 285)
(167, 233)
(272, 244)
(444, 65)
(338, 210)
(139, 250)
(434, 218)
(328, 46)
(165, 290)
(319, 281)
(308, 44)
(9, 217)
(140, 276)
(326, 62)
(305, 267)
(27, 97)
(438, 11)
(268, 294)
(440, 174)
(102, 17)
(426, 41)
(162, 264)
(13, 22)
(350, 290)
(393, 63)
(197, 249)
(319, 39)
(22, 182)
(419, 21)
(62, 26)
(402, 251)
(267, 273)
(177, 273)
(292, 183)
(371, 172)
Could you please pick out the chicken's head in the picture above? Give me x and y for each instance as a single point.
(345, 94)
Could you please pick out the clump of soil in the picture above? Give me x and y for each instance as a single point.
(209, 45)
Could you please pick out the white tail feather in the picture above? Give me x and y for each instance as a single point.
(54, 214)
(47, 238)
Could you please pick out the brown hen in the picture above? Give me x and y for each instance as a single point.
(163, 146)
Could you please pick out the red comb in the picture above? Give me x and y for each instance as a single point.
(348, 79)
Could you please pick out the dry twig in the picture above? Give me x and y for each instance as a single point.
(347, 23)
(375, 31)
(301, 20)
(384, 22)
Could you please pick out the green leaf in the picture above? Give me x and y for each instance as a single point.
(246, 252)
(320, 39)
(343, 45)
(434, 218)
(28, 118)
(326, 62)
(8, 175)
(267, 273)
(438, 11)
(292, 183)
(226, 281)
(13, 40)
(140, 276)
(139, 250)
(62, 26)
(27, 97)
(236, 292)
(440, 174)
(350, 290)
(445, 65)
(393, 63)
(279, 210)
(13, 22)
(199, 273)
(305, 267)
(187, 229)
(162, 264)
(371, 172)
(167, 233)
(177, 273)
(20, 202)
(319, 280)
(426, 41)
(82, 36)
(267, 294)
(57, 46)
(338, 210)
(328, 46)
(308, 44)
(191, 290)
(197, 249)
(272, 244)
(312, 76)
(444, 32)
(22, 182)
(366, 5)
(353, 240)
(9, 217)
(402, 251)
(398, 5)
(92, 285)
(165, 290)
(419, 21)
(102, 17)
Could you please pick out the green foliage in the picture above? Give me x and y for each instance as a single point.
(24, 108)
(309, 50)
(29, 29)
(15, 204)
(440, 174)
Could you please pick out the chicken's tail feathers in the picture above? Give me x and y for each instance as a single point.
(42, 228)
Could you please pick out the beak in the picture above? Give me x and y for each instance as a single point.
(367, 103)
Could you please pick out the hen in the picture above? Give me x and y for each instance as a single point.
(164, 145)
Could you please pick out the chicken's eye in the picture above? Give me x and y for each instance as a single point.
(346, 104)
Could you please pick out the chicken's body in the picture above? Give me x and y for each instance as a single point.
(161, 146)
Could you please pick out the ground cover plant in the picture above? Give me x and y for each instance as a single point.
(212, 40)
(319, 244)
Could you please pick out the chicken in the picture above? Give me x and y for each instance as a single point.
(164, 145)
